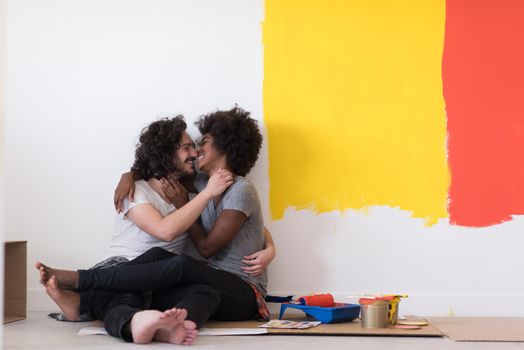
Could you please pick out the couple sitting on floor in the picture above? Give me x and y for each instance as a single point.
(144, 290)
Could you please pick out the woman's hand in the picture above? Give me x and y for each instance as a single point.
(174, 191)
(256, 263)
(219, 182)
(125, 188)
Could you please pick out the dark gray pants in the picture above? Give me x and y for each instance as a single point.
(116, 309)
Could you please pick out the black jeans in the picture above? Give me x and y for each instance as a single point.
(116, 309)
(165, 272)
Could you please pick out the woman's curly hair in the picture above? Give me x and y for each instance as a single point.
(236, 135)
(157, 146)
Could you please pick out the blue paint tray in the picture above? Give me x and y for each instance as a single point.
(339, 313)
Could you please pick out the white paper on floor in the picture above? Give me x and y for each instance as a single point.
(201, 331)
(231, 331)
(92, 331)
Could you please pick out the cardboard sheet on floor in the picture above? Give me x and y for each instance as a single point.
(480, 328)
(344, 328)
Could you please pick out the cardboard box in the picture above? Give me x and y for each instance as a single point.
(15, 281)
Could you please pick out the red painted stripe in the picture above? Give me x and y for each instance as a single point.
(483, 75)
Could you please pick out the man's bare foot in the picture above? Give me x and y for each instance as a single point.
(191, 332)
(149, 325)
(67, 300)
(66, 279)
(184, 333)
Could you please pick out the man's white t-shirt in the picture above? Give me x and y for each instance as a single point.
(128, 239)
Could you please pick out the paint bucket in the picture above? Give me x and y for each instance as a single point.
(374, 313)
(393, 310)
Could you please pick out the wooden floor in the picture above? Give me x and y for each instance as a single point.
(40, 332)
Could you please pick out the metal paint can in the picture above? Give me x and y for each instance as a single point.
(393, 310)
(374, 313)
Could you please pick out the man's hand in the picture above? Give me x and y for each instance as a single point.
(256, 263)
(125, 188)
(175, 192)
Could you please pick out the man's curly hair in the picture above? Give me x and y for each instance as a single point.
(157, 148)
(236, 135)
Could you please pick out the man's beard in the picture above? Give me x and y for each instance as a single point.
(179, 173)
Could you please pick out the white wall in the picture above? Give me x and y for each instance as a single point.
(85, 76)
(2, 110)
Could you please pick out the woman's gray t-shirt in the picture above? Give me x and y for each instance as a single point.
(241, 196)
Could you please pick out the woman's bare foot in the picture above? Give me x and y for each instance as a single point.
(149, 325)
(67, 300)
(66, 279)
(42, 270)
(184, 333)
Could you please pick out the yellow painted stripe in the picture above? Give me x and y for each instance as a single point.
(353, 105)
